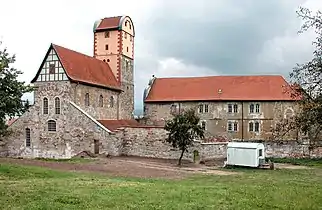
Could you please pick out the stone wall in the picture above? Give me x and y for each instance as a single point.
(76, 134)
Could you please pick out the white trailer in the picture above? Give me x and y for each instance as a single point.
(245, 154)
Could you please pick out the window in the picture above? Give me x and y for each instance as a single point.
(100, 102)
(173, 109)
(126, 22)
(203, 125)
(57, 105)
(257, 108)
(200, 108)
(108, 60)
(107, 34)
(125, 35)
(260, 152)
(28, 137)
(251, 126)
(130, 26)
(111, 101)
(251, 108)
(45, 106)
(235, 108)
(206, 108)
(130, 38)
(87, 99)
(127, 49)
(230, 108)
(51, 125)
(52, 68)
(256, 127)
(232, 126)
(106, 47)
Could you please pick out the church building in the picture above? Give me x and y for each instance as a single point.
(77, 97)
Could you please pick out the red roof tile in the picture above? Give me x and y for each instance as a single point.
(83, 68)
(115, 124)
(112, 125)
(247, 88)
(109, 23)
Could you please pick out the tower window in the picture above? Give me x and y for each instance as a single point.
(127, 49)
(108, 60)
(87, 99)
(51, 125)
(130, 38)
(111, 101)
(57, 105)
(107, 34)
(100, 102)
(28, 137)
(45, 106)
(104, 60)
(106, 47)
(125, 35)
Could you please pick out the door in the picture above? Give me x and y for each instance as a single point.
(96, 147)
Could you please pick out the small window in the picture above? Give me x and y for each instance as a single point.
(87, 99)
(111, 101)
(130, 38)
(235, 108)
(45, 106)
(251, 108)
(107, 34)
(106, 47)
(108, 60)
(100, 102)
(126, 22)
(232, 126)
(28, 137)
(125, 35)
(251, 126)
(173, 108)
(127, 49)
(203, 125)
(200, 108)
(104, 60)
(230, 108)
(206, 108)
(260, 152)
(57, 105)
(52, 68)
(256, 127)
(257, 108)
(51, 125)
(130, 26)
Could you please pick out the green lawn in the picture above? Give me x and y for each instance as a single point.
(23, 187)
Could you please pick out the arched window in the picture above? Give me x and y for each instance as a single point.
(251, 126)
(256, 129)
(45, 105)
(57, 105)
(28, 143)
(100, 101)
(251, 108)
(257, 108)
(111, 101)
(87, 99)
(51, 125)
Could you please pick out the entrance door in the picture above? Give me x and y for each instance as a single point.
(96, 147)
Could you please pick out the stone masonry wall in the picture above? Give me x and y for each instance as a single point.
(150, 142)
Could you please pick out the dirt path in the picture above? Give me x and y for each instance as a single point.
(126, 167)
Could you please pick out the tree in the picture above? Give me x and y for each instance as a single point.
(11, 91)
(307, 87)
(183, 129)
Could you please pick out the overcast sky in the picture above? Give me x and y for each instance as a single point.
(173, 38)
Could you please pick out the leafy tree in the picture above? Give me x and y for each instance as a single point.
(183, 129)
(11, 90)
(307, 86)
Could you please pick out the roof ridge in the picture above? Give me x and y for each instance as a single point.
(212, 76)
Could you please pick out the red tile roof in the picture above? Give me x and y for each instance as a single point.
(112, 125)
(242, 88)
(109, 23)
(85, 69)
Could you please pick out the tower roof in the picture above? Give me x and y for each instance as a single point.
(110, 23)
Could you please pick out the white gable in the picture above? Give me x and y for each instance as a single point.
(52, 70)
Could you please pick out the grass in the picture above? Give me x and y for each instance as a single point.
(316, 162)
(26, 187)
